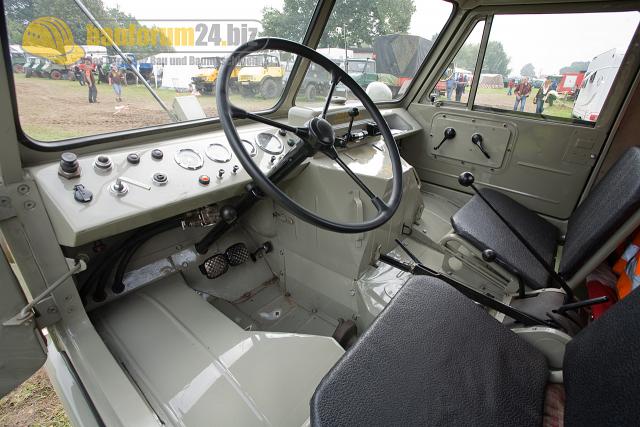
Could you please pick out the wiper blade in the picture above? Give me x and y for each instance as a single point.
(106, 35)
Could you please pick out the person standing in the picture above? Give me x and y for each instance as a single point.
(461, 82)
(541, 96)
(523, 89)
(115, 80)
(510, 85)
(90, 80)
(451, 84)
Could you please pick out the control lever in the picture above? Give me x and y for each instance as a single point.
(353, 113)
(466, 179)
(581, 304)
(476, 139)
(264, 249)
(449, 133)
(120, 188)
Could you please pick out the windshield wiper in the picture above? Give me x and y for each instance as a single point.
(106, 35)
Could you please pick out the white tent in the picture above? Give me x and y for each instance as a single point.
(494, 81)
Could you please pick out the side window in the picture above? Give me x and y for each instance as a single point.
(562, 66)
(455, 83)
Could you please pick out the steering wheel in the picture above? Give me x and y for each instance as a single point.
(316, 136)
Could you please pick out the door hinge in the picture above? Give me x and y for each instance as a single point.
(43, 304)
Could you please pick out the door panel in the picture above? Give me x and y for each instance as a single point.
(544, 165)
(497, 138)
(21, 351)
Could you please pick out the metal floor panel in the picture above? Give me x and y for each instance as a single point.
(268, 308)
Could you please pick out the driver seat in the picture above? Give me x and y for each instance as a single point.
(611, 203)
(433, 357)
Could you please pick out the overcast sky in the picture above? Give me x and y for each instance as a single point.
(549, 42)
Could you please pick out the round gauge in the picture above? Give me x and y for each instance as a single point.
(218, 153)
(248, 145)
(189, 159)
(269, 143)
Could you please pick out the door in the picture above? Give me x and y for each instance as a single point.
(21, 346)
(538, 153)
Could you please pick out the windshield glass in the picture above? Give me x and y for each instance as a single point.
(71, 82)
(385, 43)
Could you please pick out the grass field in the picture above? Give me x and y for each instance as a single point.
(33, 404)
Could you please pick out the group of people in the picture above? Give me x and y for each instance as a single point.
(523, 89)
(85, 74)
(457, 82)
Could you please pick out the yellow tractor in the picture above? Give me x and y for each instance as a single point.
(205, 82)
(261, 74)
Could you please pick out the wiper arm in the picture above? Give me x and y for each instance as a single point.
(106, 35)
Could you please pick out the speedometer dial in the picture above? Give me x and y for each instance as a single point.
(269, 143)
(189, 159)
(218, 153)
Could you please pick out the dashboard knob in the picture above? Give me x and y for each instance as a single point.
(273, 159)
(160, 178)
(235, 169)
(220, 173)
(69, 166)
(282, 132)
(133, 158)
(157, 154)
(102, 163)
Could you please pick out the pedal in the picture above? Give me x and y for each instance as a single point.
(237, 254)
(215, 266)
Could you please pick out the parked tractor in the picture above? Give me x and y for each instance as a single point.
(262, 75)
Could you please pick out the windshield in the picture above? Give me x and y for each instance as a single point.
(384, 44)
(164, 65)
(79, 85)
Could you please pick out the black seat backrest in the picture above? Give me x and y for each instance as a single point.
(602, 369)
(611, 202)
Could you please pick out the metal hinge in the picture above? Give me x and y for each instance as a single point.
(43, 304)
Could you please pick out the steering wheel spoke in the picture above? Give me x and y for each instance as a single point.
(239, 113)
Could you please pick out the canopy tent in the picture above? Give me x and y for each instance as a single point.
(400, 54)
(494, 81)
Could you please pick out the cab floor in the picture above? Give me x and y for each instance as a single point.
(268, 308)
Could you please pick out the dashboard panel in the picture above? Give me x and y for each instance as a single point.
(98, 195)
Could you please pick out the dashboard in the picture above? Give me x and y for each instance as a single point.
(94, 196)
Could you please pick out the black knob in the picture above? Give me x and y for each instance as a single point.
(466, 179)
(228, 214)
(133, 158)
(282, 132)
(235, 169)
(157, 154)
(489, 255)
(476, 138)
(220, 173)
(449, 133)
(354, 112)
(69, 163)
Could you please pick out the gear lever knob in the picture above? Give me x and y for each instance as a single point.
(466, 179)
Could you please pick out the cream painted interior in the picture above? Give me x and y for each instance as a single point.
(250, 347)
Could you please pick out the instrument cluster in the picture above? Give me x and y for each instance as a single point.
(126, 188)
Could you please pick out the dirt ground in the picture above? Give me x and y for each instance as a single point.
(34, 403)
(52, 110)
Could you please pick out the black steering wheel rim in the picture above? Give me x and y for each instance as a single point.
(227, 112)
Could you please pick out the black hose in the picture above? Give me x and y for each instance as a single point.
(103, 270)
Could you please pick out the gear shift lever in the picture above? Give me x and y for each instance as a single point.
(466, 179)
(449, 133)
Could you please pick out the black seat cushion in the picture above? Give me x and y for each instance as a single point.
(433, 357)
(611, 202)
(478, 224)
(602, 369)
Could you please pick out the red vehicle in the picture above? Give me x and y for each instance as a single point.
(570, 82)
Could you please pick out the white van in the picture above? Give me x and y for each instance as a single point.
(596, 84)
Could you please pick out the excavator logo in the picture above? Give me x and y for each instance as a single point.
(50, 38)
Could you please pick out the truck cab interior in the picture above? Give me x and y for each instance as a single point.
(415, 252)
